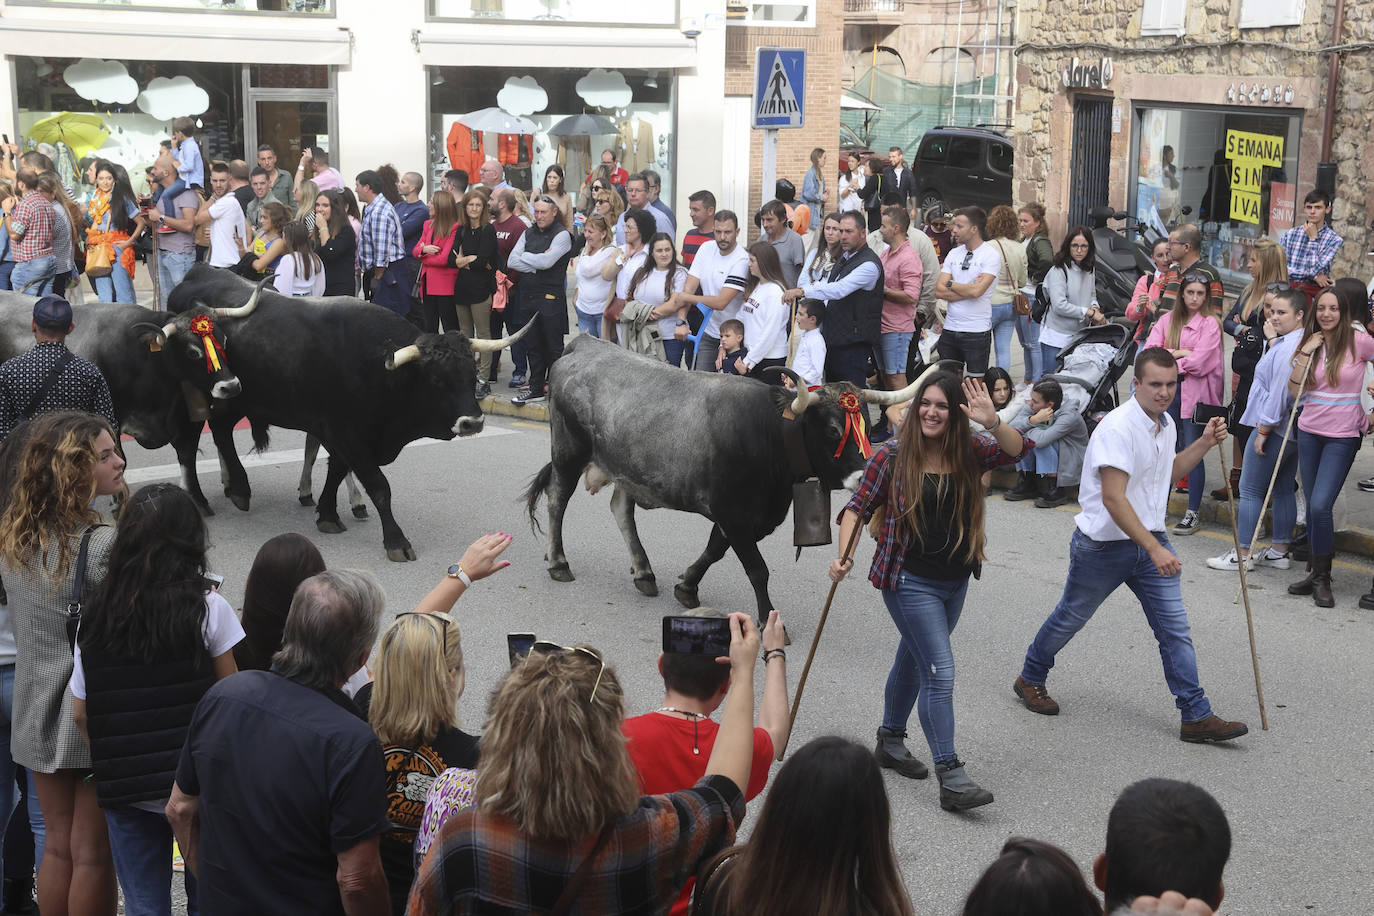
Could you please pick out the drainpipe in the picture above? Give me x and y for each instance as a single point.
(1326, 169)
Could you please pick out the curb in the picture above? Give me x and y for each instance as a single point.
(502, 407)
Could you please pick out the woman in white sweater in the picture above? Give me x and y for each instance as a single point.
(1073, 295)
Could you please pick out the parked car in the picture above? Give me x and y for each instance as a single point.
(963, 166)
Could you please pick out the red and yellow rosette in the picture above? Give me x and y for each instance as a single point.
(853, 425)
(204, 328)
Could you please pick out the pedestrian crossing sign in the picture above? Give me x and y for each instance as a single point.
(779, 87)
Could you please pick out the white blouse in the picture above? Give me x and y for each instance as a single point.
(593, 293)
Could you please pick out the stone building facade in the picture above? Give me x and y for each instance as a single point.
(1153, 106)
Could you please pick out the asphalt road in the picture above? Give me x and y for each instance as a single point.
(1298, 796)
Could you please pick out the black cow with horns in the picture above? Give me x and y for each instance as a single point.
(360, 378)
(693, 441)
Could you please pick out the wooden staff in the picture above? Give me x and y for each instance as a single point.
(1245, 592)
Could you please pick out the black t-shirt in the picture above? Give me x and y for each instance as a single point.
(934, 556)
(244, 196)
(287, 778)
(409, 774)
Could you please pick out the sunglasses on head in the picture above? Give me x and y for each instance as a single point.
(1278, 287)
(546, 199)
(1197, 278)
(543, 647)
(443, 619)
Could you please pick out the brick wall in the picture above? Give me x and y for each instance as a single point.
(824, 62)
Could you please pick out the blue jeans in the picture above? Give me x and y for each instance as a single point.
(1098, 568)
(895, 346)
(1029, 334)
(925, 612)
(673, 349)
(1003, 323)
(171, 270)
(1048, 354)
(1043, 459)
(6, 271)
(1190, 432)
(36, 273)
(37, 826)
(588, 324)
(117, 287)
(141, 846)
(1254, 483)
(1324, 463)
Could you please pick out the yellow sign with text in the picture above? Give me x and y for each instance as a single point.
(1249, 154)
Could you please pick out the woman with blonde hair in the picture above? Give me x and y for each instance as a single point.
(596, 272)
(1004, 233)
(522, 206)
(608, 205)
(306, 193)
(1193, 335)
(47, 529)
(559, 822)
(1245, 322)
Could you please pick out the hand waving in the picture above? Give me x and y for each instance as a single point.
(978, 406)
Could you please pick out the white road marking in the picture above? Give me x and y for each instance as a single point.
(277, 456)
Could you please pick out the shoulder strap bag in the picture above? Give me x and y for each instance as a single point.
(49, 381)
(78, 585)
(1020, 302)
(574, 886)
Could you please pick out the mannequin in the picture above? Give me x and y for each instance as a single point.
(634, 145)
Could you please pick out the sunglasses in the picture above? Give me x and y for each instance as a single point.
(545, 199)
(968, 259)
(1197, 278)
(598, 187)
(1278, 287)
(544, 647)
(444, 619)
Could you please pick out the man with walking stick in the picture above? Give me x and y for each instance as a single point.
(1120, 540)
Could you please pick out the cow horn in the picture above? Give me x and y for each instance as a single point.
(246, 309)
(492, 346)
(888, 398)
(169, 329)
(403, 356)
(803, 399)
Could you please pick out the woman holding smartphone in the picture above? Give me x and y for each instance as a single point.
(928, 481)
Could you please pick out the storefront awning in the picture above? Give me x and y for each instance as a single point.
(245, 46)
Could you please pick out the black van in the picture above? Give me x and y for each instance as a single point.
(963, 166)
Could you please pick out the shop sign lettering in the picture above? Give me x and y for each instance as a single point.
(1249, 153)
(1080, 75)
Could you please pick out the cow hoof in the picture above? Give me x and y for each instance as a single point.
(306, 500)
(648, 586)
(560, 574)
(330, 526)
(687, 597)
(361, 512)
(400, 554)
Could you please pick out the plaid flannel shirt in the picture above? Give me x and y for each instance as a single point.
(875, 489)
(482, 863)
(1307, 256)
(34, 214)
(381, 242)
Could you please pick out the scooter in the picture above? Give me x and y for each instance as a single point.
(1122, 258)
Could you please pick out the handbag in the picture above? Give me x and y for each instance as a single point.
(1041, 304)
(1020, 304)
(98, 260)
(78, 585)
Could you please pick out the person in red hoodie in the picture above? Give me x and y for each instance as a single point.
(671, 745)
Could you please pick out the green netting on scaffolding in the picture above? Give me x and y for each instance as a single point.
(910, 108)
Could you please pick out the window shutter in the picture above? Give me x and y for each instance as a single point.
(1263, 14)
(1163, 17)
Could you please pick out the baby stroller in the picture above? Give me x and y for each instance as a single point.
(1089, 367)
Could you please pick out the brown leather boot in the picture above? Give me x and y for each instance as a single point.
(1303, 586)
(1321, 581)
(1220, 492)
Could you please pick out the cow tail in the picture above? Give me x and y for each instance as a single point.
(538, 487)
(261, 435)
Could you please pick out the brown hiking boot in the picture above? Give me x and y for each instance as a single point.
(1213, 729)
(1035, 697)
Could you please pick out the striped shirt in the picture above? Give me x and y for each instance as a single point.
(381, 242)
(1334, 410)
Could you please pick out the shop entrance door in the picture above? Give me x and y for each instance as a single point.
(291, 120)
(1091, 157)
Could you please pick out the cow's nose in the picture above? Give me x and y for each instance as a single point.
(229, 388)
(469, 426)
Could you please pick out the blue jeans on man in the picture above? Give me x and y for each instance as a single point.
(141, 846)
(172, 267)
(922, 676)
(1098, 568)
(36, 274)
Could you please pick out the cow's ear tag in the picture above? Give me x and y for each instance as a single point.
(154, 346)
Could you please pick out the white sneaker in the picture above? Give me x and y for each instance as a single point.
(1189, 524)
(1268, 557)
(1228, 561)
(1367, 484)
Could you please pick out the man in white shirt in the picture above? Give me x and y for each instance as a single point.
(225, 217)
(966, 284)
(1120, 540)
(716, 280)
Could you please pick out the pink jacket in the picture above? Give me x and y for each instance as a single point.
(1154, 285)
(437, 278)
(1203, 369)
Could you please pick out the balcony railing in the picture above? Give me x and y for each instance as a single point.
(873, 6)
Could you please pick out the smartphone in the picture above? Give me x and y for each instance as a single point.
(213, 581)
(518, 646)
(1202, 413)
(696, 635)
(6, 138)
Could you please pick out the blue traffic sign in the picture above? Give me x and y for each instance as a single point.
(779, 87)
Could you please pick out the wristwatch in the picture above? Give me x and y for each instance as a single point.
(681, 323)
(456, 572)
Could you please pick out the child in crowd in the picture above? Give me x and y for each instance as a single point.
(732, 348)
(186, 155)
(809, 360)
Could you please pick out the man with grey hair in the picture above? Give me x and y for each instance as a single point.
(655, 181)
(281, 778)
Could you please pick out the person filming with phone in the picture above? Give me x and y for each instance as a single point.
(671, 745)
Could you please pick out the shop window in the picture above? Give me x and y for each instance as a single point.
(306, 7)
(1163, 17)
(1263, 14)
(646, 12)
(1233, 170)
